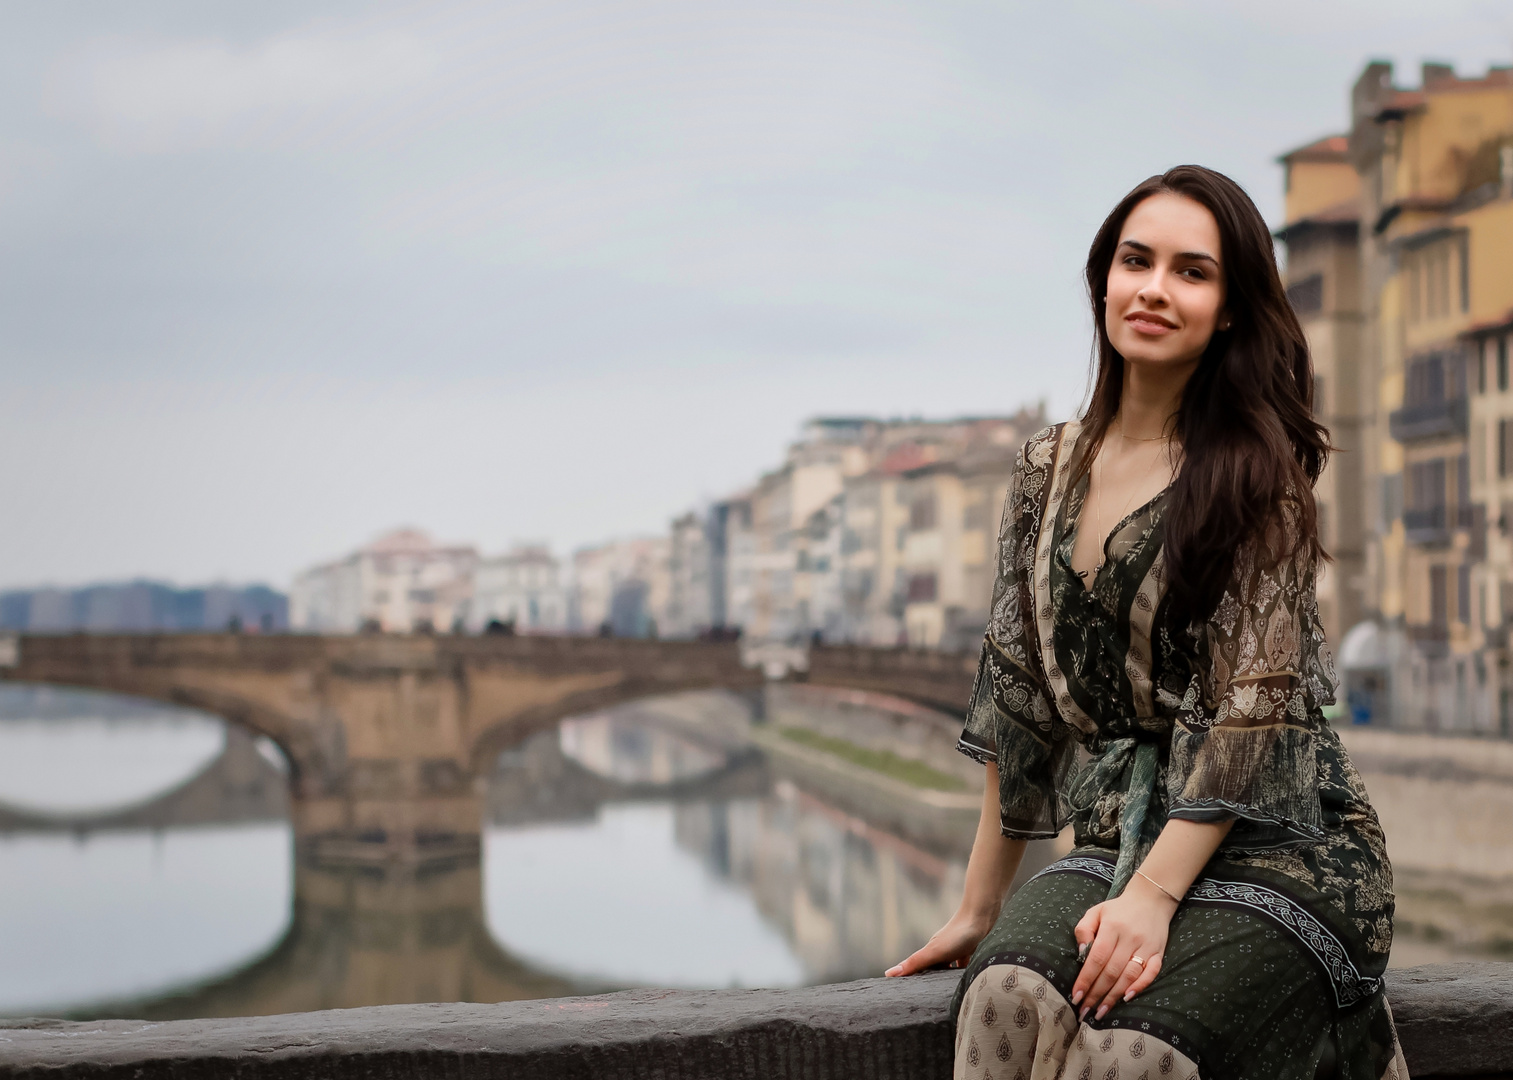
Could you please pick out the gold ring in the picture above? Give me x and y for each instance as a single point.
(1137, 960)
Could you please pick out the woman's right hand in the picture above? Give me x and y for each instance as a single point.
(950, 946)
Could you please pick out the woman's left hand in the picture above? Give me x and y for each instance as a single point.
(1124, 939)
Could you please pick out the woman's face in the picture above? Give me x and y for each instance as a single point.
(1166, 284)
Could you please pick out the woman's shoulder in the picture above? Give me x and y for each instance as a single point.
(1039, 450)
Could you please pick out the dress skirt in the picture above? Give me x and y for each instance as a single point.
(1246, 971)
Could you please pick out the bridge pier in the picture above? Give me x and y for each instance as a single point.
(411, 831)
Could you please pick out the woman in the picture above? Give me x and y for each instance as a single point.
(1227, 909)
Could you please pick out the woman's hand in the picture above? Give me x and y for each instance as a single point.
(1114, 934)
(952, 944)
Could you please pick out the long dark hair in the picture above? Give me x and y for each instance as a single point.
(1251, 448)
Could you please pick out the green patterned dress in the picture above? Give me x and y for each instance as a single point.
(1102, 712)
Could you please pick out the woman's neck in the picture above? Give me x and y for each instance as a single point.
(1150, 397)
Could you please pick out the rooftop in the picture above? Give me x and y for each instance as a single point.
(1331, 149)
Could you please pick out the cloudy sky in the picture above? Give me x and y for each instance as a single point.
(275, 277)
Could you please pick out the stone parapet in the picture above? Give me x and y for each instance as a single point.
(1454, 1020)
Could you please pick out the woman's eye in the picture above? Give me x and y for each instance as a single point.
(1133, 260)
(1194, 273)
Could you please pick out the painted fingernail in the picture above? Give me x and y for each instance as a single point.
(1101, 1010)
(1083, 1014)
(1081, 952)
(1077, 997)
(1128, 994)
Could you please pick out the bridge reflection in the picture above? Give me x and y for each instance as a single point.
(846, 897)
(367, 936)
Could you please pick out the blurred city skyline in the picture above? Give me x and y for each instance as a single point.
(281, 279)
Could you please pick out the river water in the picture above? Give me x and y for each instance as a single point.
(148, 868)
(616, 853)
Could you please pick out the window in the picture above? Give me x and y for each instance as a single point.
(1439, 613)
(1502, 448)
(922, 512)
(1414, 269)
(1320, 401)
(1479, 452)
(1392, 499)
(1463, 592)
(1307, 295)
(1431, 284)
(1426, 494)
(1442, 281)
(1465, 274)
(922, 589)
(1426, 382)
(1502, 363)
(1426, 484)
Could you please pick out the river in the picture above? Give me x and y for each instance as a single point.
(149, 866)
(618, 852)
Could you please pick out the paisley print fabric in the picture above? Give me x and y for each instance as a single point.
(1240, 997)
(1205, 721)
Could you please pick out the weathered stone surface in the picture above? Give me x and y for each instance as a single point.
(1454, 1020)
(877, 1028)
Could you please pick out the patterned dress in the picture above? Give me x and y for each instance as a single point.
(1103, 712)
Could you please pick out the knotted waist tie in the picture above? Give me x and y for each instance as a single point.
(1140, 758)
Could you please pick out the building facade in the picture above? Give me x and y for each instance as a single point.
(403, 582)
(876, 532)
(622, 588)
(1403, 277)
(522, 589)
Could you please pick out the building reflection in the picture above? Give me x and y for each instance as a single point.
(851, 899)
(847, 897)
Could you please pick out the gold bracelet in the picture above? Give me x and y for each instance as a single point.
(1174, 899)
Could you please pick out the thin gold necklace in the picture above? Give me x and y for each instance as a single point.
(1098, 534)
(1140, 438)
(1124, 510)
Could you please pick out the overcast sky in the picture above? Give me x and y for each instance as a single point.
(277, 276)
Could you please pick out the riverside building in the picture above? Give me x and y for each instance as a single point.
(1399, 237)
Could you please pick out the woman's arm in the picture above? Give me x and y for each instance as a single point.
(994, 861)
(1135, 922)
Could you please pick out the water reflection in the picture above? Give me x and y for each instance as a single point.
(618, 898)
(624, 747)
(137, 913)
(849, 899)
(743, 880)
(72, 752)
(650, 845)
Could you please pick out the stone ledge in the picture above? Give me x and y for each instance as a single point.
(1456, 1020)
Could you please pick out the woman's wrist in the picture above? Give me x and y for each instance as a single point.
(1151, 890)
(979, 916)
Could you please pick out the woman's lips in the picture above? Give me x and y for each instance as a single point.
(1149, 324)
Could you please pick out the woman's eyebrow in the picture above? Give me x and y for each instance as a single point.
(1183, 256)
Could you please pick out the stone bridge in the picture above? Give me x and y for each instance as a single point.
(389, 737)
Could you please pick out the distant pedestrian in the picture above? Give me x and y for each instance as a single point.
(1226, 911)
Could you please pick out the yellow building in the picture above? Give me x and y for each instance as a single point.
(1408, 387)
(1322, 234)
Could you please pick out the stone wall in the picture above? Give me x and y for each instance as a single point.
(1454, 1020)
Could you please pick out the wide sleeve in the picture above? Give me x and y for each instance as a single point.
(1243, 744)
(1011, 720)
